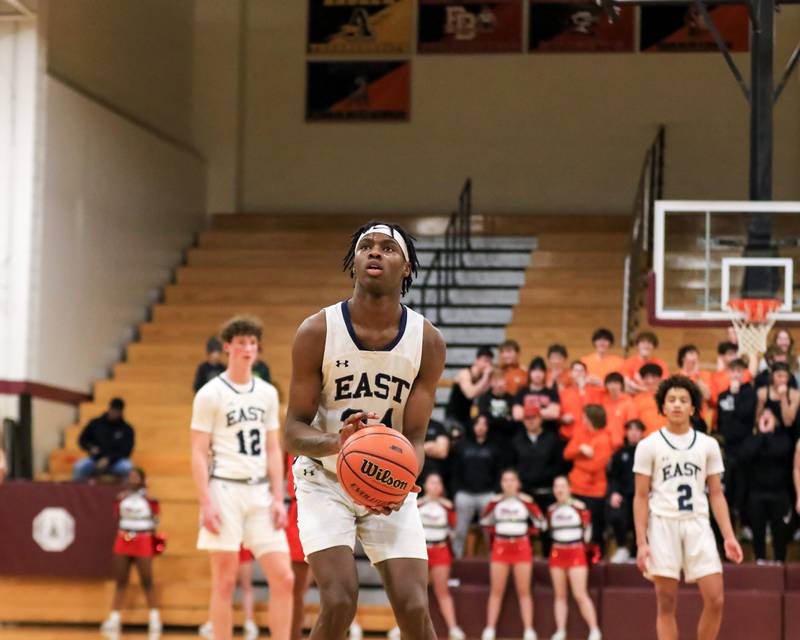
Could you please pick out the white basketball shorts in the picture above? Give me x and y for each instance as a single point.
(685, 544)
(327, 517)
(246, 520)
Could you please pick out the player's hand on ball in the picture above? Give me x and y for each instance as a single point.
(211, 517)
(278, 513)
(354, 423)
(733, 550)
(643, 557)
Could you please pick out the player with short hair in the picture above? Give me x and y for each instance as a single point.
(366, 358)
(237, 466)
(673, 467)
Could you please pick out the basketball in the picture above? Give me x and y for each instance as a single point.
(377, 466)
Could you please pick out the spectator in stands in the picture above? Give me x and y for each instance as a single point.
(474, 472)
(600, 363)
(574, 398)
(644, 403)
(736, 415)
(783, 341)
(768, 456)
(590, 451)
(689, 366)
(557, 371)
(496, 404)
(727, 352)
(437, 448)
(260, 368)
(772, 356)
(470, 383)
(516, 376)
(619, 408)
(108, 440)
(779, 397)
(537, 399)
(646, 343)
(212, 366)
(621, 489)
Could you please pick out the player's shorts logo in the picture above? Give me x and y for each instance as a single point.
(54, 529)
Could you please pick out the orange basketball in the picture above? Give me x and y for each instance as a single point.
(377, 466)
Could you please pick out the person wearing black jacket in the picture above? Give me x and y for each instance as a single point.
(621, 489)
(108, 440)
(211, 367)
(496, 405)
(768, 459)
(474, 477)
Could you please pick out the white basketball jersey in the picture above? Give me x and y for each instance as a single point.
(678, 467)
(238, 418)
(355, 378)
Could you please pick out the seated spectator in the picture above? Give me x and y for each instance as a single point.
(437, 448)
(727, 352)
(590, 451)
(474, 476)
(557, 371)
(645, 407)
(772, 356)
(108, 440)
(621, 489)
(496, 404)
(537, 399)
(619, 408)
(779, 397)
(260, 368)
(574, 398)
(768, 456)
(600, 363)
(646, 343)
(470, 382)
(212, 367)
(516, 376)
(736, 415)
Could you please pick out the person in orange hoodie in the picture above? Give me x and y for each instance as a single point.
(557, 372)
(574, 398)
(619, 408)
(516, 376)
(590, 450)
(646, 343)
(644, 403)
(600, 363)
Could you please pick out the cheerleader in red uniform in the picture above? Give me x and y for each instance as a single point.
(570, 525)
(511, 519)
(135, 544)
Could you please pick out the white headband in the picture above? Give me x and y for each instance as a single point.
(387, 231)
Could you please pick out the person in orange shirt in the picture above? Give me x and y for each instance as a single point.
(590, 451)
(516, 376)
(644, 403)
(557, 372)
(574, 398)
(646, 343)
(619, 408)
(689, 363)
(727, 352)
(600, 363)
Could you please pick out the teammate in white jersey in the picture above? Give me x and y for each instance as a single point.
(673, 467)
(237, 466)
(366, 358)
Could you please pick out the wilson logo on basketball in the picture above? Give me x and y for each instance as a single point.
(384, 476)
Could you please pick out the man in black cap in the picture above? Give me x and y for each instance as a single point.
(108, 440)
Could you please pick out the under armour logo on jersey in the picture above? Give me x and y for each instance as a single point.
(342, 363)
(308, 472)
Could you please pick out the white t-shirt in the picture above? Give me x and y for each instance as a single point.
(678, 466)
(238, 418)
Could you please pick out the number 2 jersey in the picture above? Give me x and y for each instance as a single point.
(355, 378)
(678, 466)
(238, 418)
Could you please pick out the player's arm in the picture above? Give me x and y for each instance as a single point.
(641, 516)
(209, 513)
(719, 507)
(275, 473)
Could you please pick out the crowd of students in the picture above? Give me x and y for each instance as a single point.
(583, 419)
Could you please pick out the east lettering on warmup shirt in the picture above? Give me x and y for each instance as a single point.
(238, 418)
(678, 466)
(355, 378)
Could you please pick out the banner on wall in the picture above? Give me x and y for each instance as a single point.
(559, 26)
(358, 90)
(683, 29)
(359, 26)
(449, 26)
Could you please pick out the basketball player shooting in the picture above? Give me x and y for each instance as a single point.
(673, 532)
(366, 358)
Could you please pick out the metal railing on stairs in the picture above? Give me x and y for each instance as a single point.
(637, 262)
(446, 259)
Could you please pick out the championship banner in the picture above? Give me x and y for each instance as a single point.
(449, 26)
(561, 26)
(683, 29)
(358, 90)
(55, 529)
(359, 26)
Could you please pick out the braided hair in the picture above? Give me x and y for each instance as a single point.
(349, 259)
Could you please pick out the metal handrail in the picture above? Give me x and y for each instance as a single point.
(457, 240)
(637, 262)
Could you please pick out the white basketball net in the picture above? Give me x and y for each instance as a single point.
(752, 332)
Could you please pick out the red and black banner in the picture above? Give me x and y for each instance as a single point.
(449, 26)
(359, 26)
(683, 29)
(559, 26)
(358, 91)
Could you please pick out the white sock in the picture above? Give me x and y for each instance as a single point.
(114, 615)
(154, 613)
